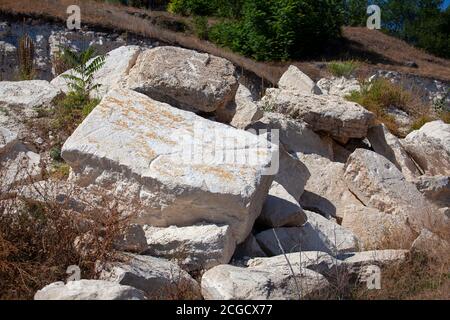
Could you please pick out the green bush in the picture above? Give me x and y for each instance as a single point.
(342, 68)
(201, 27)
(280, 29)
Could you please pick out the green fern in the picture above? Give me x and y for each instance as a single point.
(80, 80)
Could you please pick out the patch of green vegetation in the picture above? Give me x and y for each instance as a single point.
(201, 27)
(343, 68)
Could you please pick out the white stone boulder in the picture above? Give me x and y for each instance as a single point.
(281, 209)
(390, 147)
(88, 290)
(374, 257)
(430, 147)
(430, 244)
(184, 78)
(226, 282)
(247, 111)
(195, 248)
(326, 191)
(158, 278)
(172, 166)
(7, 139)
(318, 234)
(338, 86)
(294, 79)
(331, 114)
(379, 184)
(435, 188)
(118, 63)
(23, 96)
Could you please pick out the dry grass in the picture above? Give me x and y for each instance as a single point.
(37, 239)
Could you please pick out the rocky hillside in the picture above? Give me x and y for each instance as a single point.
(220, 195)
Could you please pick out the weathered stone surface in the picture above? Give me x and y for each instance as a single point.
(248, 249)
(281, 209)
(330, 114)
(296, 136)
(436, 189)
(88, 290)
(292, 173)
(379, 184)
(318, 234)
(158, 278)
(132, 240)
(7, 139)
(184, 78)
(19, 164)
(317, 261)
(338, 86)
(374, 228)
(8, 61)
(430, 147)
(23, 96)
(247, 111)
(118, 63)
(326, 191)
(226, 282)
(430, 244)
(389, 146)
(141, 150)
(294, 79)
(374, 257)
(195, 248)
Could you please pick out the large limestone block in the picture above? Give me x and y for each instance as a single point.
(318, 234)
(338, 86)
(435, 188)
(296, 136)
(88, 290)
(379, 184)
(172, 166)
(158, 278)
(326, 191)
(281, 209)
(195, 248)
(184, 78)
(430, 147)
(118, 63)
(23, 96)
(389, 146)
(226, 282)
(332, 114)
(294, 79)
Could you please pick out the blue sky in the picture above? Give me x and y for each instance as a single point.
(446, 3)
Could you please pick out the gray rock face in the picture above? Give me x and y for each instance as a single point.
(389, 146)
(294, 79)
(156, 158)
(184, 78)
(318, 234)
(249, 249)
(226, 282)
(331, 114)
(195, 248)
(326, 190)
(132, 240)
(436, 189)
(7, 139)
(317, 261)
(8, 61)
(88, 290)
(158, 278)
(430, 147)
(118, 63)
(379, 184)
(296, 136)
(374, 257)
(430, 244)
(281, 209)
(247, 111)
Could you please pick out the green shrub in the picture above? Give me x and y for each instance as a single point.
(280, 29)
(201, 27)
(342, 68)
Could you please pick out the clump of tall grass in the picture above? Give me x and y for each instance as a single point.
(343, 68)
